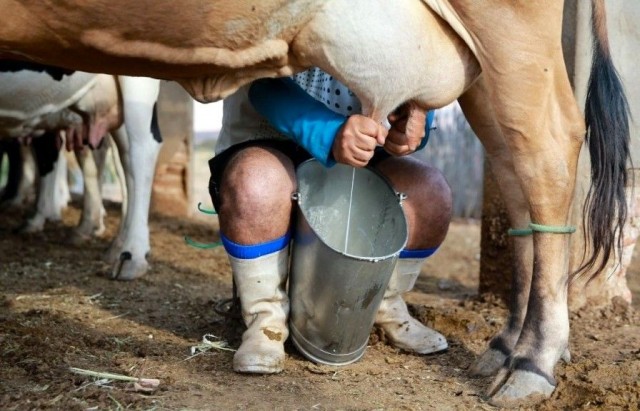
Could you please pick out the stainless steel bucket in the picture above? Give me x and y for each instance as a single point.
(350, 229)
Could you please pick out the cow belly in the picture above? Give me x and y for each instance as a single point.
(388, 53)
(28, 98)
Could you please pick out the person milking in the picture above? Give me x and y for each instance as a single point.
(271, 126)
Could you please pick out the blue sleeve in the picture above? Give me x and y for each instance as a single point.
(427, 130)
(296, 114)
(307, 121)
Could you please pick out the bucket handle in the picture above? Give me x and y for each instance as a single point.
(401, 196)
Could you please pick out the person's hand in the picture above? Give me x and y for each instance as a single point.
(357, 139)
(407, 129)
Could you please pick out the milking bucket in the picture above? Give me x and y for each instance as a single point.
(350, 229)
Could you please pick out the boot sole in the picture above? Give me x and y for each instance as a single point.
(257, 369)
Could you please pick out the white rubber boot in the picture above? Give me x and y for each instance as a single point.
(402, 330)
(265, 308)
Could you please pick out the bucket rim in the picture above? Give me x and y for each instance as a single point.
(386, 182)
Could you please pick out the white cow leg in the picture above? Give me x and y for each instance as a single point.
(119, 137)
(51, 198)
(26, 188)
(92, 219)
(22, 172)
(122, 181)
(138, 150)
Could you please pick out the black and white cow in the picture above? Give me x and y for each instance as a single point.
(44, 104)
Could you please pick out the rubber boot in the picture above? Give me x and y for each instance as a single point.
(260, 285)
(402, 330)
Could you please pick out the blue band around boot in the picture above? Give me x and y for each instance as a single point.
(424, 253)
(255, 250)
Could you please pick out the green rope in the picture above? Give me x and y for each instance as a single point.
(206, 211)
(552, 229)
(202, 246)
(519, 232)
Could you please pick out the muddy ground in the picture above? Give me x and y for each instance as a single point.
(58, 310)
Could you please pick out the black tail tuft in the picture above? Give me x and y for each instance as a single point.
(607, 118)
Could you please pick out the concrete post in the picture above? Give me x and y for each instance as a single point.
(173, 187)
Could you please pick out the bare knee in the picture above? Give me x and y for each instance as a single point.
(255, 195)
(428, 206)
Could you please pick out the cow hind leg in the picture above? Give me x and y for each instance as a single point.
(27, 183)
(543, 130)
(92, 218)
(544, 147)
(481, 117)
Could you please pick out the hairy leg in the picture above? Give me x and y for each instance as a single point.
(255, 196)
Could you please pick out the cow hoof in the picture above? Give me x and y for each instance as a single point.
(488, 364)
(99, 231)
(78, 238)
(112, 255)
(521, 388)
(29, 228)
(566, 356)
(127, 268)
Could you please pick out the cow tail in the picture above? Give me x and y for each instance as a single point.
(607, 120)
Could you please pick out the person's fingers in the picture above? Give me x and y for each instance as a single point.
(397, 143)
(397, 149)
(416, 124)
(400, 124)
(414, 133)
(365, 142)
(358, 162)
(398, 114)
(369, 128)
(355, 159)
(397, 137)
(381, 137)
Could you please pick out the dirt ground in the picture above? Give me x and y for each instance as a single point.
(59, 310)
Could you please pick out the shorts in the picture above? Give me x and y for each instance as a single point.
(289, 148)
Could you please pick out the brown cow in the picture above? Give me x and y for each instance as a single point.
(501, 59)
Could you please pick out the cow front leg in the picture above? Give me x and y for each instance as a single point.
(138, 142)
